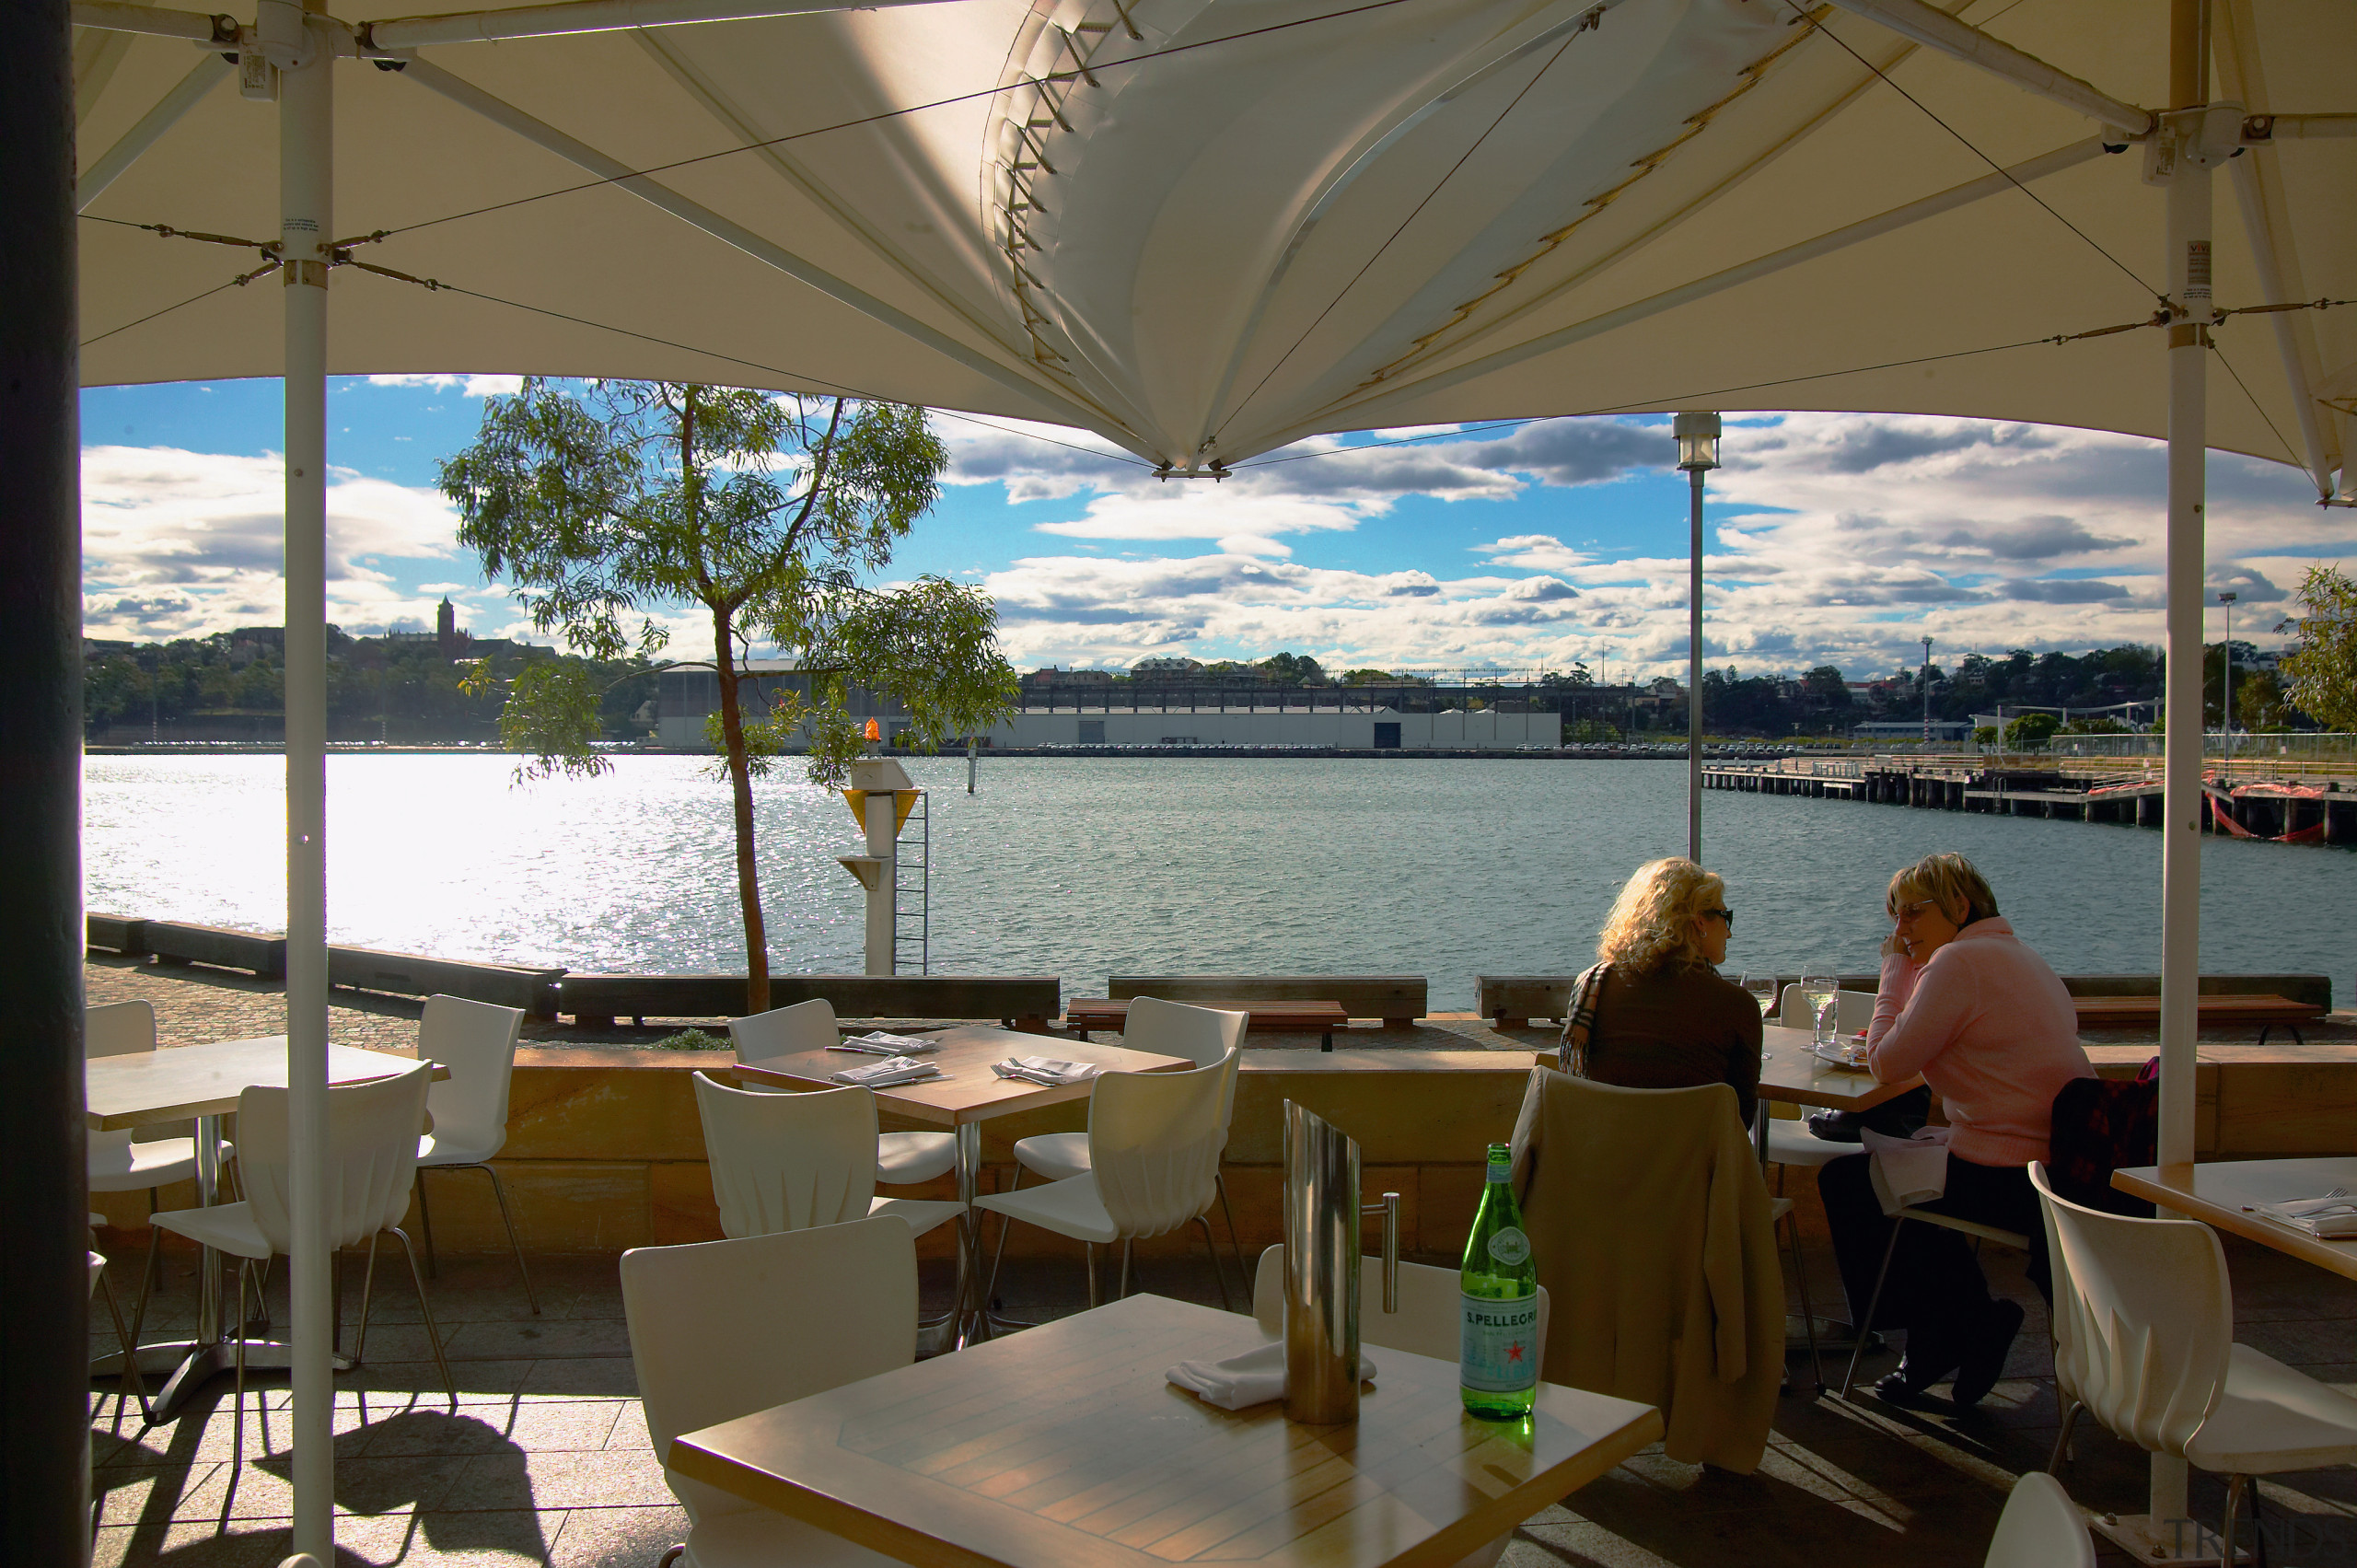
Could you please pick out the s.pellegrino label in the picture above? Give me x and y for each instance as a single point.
(1498, 1354)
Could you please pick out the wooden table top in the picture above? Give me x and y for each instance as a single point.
(2216, 1194)
(1097, 1012)
(1791, 1072)
(149, 1088)
(969, 1091)
(2108, 1012)
(1063, 1444)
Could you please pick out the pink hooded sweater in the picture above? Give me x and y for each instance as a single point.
(1991, 1027)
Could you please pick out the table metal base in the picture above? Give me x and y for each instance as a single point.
(188, 1365)
(2165, 1543)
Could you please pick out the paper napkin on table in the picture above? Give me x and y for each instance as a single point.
(1906, 1170)
(891, 1070)
(876, 1043)
(1242, 1381)
(2328, 1219)
(1049, 1070)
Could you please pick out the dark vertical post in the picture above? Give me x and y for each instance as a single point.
(44, 1356)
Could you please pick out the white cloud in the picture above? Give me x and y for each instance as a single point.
(475, 386)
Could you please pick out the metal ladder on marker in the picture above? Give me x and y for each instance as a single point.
(912, 890)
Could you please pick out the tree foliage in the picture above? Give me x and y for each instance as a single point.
(604, 504)
(2322, 671)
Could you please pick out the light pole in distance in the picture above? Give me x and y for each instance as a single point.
(1927, 690)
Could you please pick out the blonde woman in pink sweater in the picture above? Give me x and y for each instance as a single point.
(1990, 1026)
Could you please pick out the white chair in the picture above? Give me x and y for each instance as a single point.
(1201, 1035)
(1430, 1322)
(132, 1383)
(902, 1159)
(2041, 1528)
(791, 1161)
(477, 1042)
(1852, 1010)
(690, 1377)
(2144, 1341)
(122, 1162)
(1154, 1148)
(371, 1168)
(1789, 1140)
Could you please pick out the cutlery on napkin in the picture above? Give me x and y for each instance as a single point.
(877, 1042)
(1052, 1072)
(891, 1070)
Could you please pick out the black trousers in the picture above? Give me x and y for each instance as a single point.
(1935, 1288)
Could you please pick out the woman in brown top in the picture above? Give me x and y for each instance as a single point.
(1655, 1013)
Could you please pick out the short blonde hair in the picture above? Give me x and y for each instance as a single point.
(1652, 922)
(1949, 880)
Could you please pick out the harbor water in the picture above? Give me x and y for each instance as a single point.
(1086, 867)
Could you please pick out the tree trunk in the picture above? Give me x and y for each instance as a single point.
(741, 790)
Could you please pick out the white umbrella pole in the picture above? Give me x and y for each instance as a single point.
(1694, 680)
(305, 154)
(2189, 285)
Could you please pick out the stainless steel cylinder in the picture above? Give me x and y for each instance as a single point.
(1321, 1240)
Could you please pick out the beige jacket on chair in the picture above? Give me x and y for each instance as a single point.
(1651, 1227)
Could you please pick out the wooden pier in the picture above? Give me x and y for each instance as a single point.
(2304, 811)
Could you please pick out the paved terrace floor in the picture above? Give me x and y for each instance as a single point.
(544, 1456)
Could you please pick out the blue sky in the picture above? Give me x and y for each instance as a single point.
(1833, 538)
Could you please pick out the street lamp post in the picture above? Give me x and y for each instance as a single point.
(2226, 686)
(1927, 690)
(1697, 454)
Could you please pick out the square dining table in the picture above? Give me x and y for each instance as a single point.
(158, 1089)
(1064, 1446)
(2223, 1194)
(966, 1095)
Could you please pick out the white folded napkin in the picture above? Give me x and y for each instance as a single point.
(891, 1070)
(1906, 1170)
(1049, 1070)
(876, 1043)
(2328, 1219)
(1242, 1381)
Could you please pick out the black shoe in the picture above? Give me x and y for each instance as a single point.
(1984, 1354)
(1898, 1389)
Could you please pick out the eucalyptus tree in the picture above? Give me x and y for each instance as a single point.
(2323, 668)
(604, 504)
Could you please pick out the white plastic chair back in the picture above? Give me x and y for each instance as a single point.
(1430, 1321)
(1852, 1010)
(837, 1304)
(476, 1040)
(2041, 1528)
(785, 1031)
(97, 1270)
(371, 1154)
(2143, 1319)
(1155, 1141)
(1201, 1035)
(788, 1161)
(119, 1029)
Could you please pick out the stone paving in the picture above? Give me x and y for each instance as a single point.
(544, 1457)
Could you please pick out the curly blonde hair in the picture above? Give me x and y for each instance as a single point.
(1652, 922)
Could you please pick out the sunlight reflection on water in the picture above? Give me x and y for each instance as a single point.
(1090, 866)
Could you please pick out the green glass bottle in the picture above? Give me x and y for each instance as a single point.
(1498, 1358)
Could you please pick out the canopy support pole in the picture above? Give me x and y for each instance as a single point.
(209, 70)
(44, 1384)
(1694, 675)
(305, 192)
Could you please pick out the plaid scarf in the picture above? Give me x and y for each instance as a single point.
(1579, 1021)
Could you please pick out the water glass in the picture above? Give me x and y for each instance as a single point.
(1762, 988)
(1822, 992)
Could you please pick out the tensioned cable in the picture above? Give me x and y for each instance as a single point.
(1379, 251)
(2256, 406)
(238, 281)
(1828, 32)
(1083, 73)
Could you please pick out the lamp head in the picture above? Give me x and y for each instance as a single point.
(1698, 441)
(2226, 598)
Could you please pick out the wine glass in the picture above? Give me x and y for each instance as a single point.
(1822, 992)
(1762, 988)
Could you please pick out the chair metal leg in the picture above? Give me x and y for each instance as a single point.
(1864, 1326)
(425, 1310)
(133, 1384)
(237, 1397)
(2234, 1485)
(1129, 1244)
(1213, 1248)
(2062, 1440)
(500, 1193)
(367, 1295)
(1235, 1242)
(1090, 1248)
(426, 1225)
(1808, 1312)
(146, 1283)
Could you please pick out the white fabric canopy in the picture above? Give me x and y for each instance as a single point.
(1259, 219)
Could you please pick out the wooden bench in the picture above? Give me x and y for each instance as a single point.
(1021, 1002)
(2216, 1011)
(415, 974)
(173, 942)
(1321, 1018)
(1397, 999)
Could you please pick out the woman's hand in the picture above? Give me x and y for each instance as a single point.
(1895, 945)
